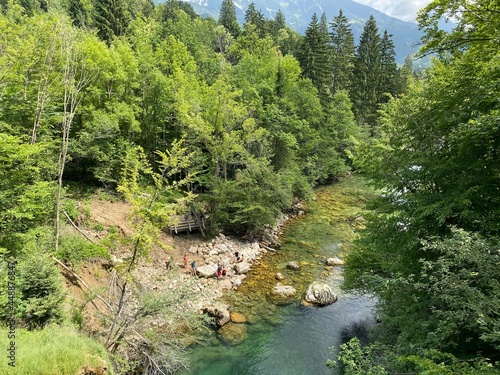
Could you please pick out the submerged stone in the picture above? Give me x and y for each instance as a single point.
(282, 294)
(232, 333)
(237, 317)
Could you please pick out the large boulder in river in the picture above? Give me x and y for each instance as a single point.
(320, 294)
(293, 265)
(219, 312)
(282, 294)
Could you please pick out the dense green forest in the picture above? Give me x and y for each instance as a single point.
(169, 110)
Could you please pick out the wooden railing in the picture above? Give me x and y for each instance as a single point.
(187, 223)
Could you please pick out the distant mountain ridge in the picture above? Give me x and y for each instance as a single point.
(298, 13)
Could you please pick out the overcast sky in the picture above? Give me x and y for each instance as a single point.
(405, 10)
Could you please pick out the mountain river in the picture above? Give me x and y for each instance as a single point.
(294, 339)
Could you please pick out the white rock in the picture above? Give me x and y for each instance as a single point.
(208, 270)
(334, 261)
(242, 267)
(320, 294)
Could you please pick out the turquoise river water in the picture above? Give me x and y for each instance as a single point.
(295, 339)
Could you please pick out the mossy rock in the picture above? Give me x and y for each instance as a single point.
(233, 333)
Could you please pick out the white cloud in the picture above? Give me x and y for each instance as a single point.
(405, 10)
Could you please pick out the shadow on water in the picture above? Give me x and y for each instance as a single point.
(294, 339)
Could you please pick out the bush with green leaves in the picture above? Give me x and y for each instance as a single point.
(39, 293)
(75, 249)
(381, 359)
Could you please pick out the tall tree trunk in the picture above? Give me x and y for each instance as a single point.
(43, 87)
(75, 77)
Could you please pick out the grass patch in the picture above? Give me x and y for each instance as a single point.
(60, 350)
(75, 249)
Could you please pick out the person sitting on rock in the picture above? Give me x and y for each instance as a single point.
(224, 272)
(237, 257)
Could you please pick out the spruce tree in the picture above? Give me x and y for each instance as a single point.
(323, 24)
(256, 18)
(367, 70)
(389, 77)
(111, 18)
(341, 41)
(227, 18)
(276, 24)
(79, 13)
(279, 21)
(314, 58)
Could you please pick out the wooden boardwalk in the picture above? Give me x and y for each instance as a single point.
(187, 223)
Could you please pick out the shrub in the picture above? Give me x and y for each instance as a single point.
(38, 292)
(75, 249)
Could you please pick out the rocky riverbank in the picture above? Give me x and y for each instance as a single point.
(207, 289)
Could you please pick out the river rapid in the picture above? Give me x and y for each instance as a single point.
(294, 339)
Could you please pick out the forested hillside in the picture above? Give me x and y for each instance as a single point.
(431, 249)
(298, 13)
(172, 112)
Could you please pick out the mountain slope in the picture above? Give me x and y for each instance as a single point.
(406, 35)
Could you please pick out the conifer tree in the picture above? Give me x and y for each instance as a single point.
(389, 75)
(227, 18)
(367, 69)
(323, 23)
(78, 13)
(279, 21)
(406, 75)
(341, 41)
(111, 18)
(314, 57)
(256, 18)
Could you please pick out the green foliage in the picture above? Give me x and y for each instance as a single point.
(26, 199)
(357, 359)
(54, 350)
(367, 73)
(461, 282)
(111, 18)
(430, 248)
(341, 42)
(476, 24)
(314, 57)
(39, 292)
(378, 359)
(74, 249)
(227, 18)
(252, 200)
(155, 197)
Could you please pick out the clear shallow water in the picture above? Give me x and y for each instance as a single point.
(299, 346)
(293, 339)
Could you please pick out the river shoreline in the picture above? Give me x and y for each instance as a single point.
(281, 330)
